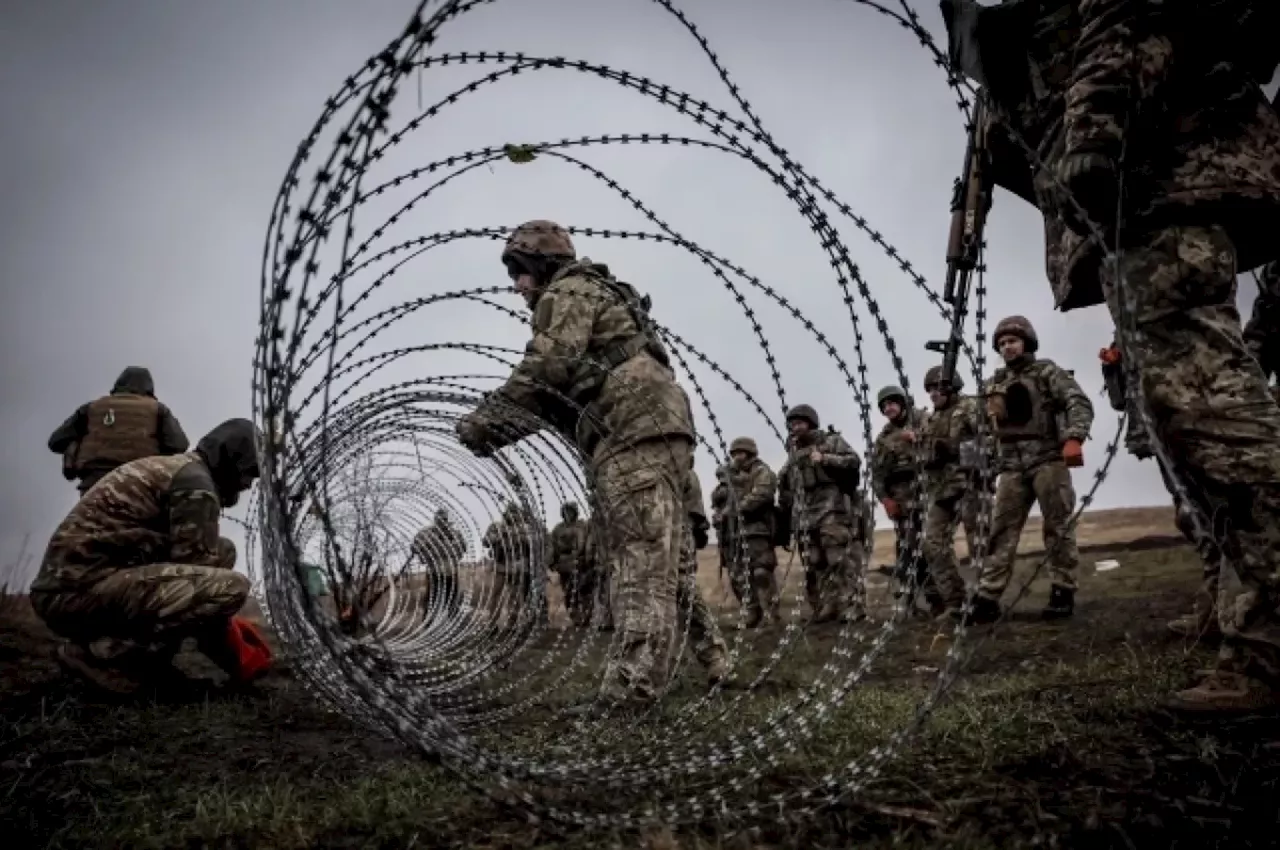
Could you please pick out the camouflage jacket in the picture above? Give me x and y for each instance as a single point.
(1043, 408)
(578, 324)
(807, 491)
(1196, 137)
(1262, 331)
(440, 545)
(512, 542)
(745, 494)
(149, 511)
(568, 545)
(950, 435)
(894, 459)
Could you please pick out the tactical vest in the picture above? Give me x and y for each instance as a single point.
(814, 477)
(739, 480)
(599, 362)
(121, 428)
(1029, 409)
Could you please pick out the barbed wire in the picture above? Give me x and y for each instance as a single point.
(354, 473)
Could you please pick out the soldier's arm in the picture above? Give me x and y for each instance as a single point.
(1078, 408)
(719, 496)
(837, 453)
(173, 440)
(75, 427)
(761, 492)
(1107, 81)
(786, 496)
(562, 329)
(193, 517)
(879, 469)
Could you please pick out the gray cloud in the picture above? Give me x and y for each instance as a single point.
(150, 139)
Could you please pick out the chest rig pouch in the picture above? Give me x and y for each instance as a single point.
(1028, 411)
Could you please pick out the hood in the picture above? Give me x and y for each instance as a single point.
(231, 453)
(135, 380)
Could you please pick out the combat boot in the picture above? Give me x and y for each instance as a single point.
(828, 612)
(79, 661)
(1062, 603)
(754, 616)
(1225, 692)
(717, 668)
(1201, 623)
(984, 612)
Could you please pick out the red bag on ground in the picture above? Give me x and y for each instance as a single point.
(253, 655)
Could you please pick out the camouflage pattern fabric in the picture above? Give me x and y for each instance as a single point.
(511, 543)
(1048, 484)
(1212, 408)
(598, 569)
(580, 323)
(954, 492)
(704, 636)
(641, 508)
(440, 547)
(568, 550)
(744, 503)
(823, 519)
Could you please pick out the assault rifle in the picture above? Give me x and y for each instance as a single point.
(970, 203)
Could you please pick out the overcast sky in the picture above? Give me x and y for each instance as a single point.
(145, 141)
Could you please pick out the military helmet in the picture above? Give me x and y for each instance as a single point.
(805, 412)
(744, 444)
(539, 238)
(1017, 326)
(934, 377)
(888, 394)
(569, 509)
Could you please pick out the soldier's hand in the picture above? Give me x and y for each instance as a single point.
(474, 434)
(909, 436)
(1073, 453)
(815, 456)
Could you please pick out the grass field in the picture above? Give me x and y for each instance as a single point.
(1055, 737)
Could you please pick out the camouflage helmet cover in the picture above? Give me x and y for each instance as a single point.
(888, 393)
(1019, 326)
(540, 238)
(569, 509)
(934, 377)
(744, 444)
(805, 412)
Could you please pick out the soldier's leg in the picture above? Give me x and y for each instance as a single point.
(815, 567)
(969, 509)
(854, 581)
(604, 597)
(641, 491)
(704, 636)
(1213, 411)
(1014, 499)
(835, 540)
(1057, 498)
(940, 551)
(1202, 620)
(926, 583)
(764, 580)
(740, 578)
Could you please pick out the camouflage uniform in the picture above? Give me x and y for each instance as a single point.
(1109, 85)
(440, 547)
(512, 544)
(1028, 397)
(953, 486)
(704, 636)
(568, 545)
(599, 570)
(894, 464)
(596, 369)
(823, 516)
(125, 425)
(137, 566)
(744, 506)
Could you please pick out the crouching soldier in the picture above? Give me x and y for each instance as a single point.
(138, 566)
(744, 518)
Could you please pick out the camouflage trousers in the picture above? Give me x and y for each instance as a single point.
(153, 606)
(752, 563)
(604, 597)
(578, 588)
(704, 635)
(1212, 410)
(515, 597)
(946, 511)
(1017, 491)
(640, 494)
(833, 579)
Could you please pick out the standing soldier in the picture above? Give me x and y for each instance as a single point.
(568, 559)
(1041, 417)
(704, 636)
(510, 543)
(596, 367)
(816, 486)
(125, 425)
(893, 480)
(744, 508)
(1174, 104)
(440, 548)
(952, 483)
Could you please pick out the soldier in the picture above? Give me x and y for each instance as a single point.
(1176, 105)
(1041, 417)
(596, 368)
(137, 566)
(125, 425)
(598, 567)
(440, 548)
(568, 546)
(511, 544)
(952, 482)
(704, 636)
(815, 487)
(744, 508)
(893, 480)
